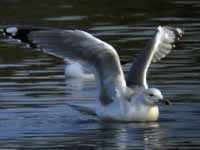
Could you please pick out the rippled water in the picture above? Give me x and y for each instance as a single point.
(34, 90)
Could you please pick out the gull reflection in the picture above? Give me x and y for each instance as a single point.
(99, 135)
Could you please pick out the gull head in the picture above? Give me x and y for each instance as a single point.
(153, 96)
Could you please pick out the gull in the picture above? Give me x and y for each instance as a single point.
(121, 98)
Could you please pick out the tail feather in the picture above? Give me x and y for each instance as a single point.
(86, 109)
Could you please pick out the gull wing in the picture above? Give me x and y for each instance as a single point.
(158, 48)
(77, 44)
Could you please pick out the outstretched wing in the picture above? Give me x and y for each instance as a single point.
(80, 45)
(161, 45)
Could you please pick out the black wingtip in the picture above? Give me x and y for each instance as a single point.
(20, 34)
(177, 31)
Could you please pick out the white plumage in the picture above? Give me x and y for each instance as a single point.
(119, 99)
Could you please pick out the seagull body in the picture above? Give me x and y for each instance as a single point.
(120, 98)
(122, 110)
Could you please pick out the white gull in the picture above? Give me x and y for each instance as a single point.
(120, 99)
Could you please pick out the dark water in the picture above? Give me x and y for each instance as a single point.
(34, 90)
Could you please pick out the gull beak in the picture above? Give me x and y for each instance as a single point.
(166, 101)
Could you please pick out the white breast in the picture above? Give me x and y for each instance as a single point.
(118, 112)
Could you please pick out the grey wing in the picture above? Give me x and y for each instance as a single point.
(76, 44)
(159, 47)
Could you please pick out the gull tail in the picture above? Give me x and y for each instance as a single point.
(85, 109)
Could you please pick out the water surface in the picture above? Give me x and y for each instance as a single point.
(34, 90)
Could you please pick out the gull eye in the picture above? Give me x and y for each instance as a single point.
(150, 94)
